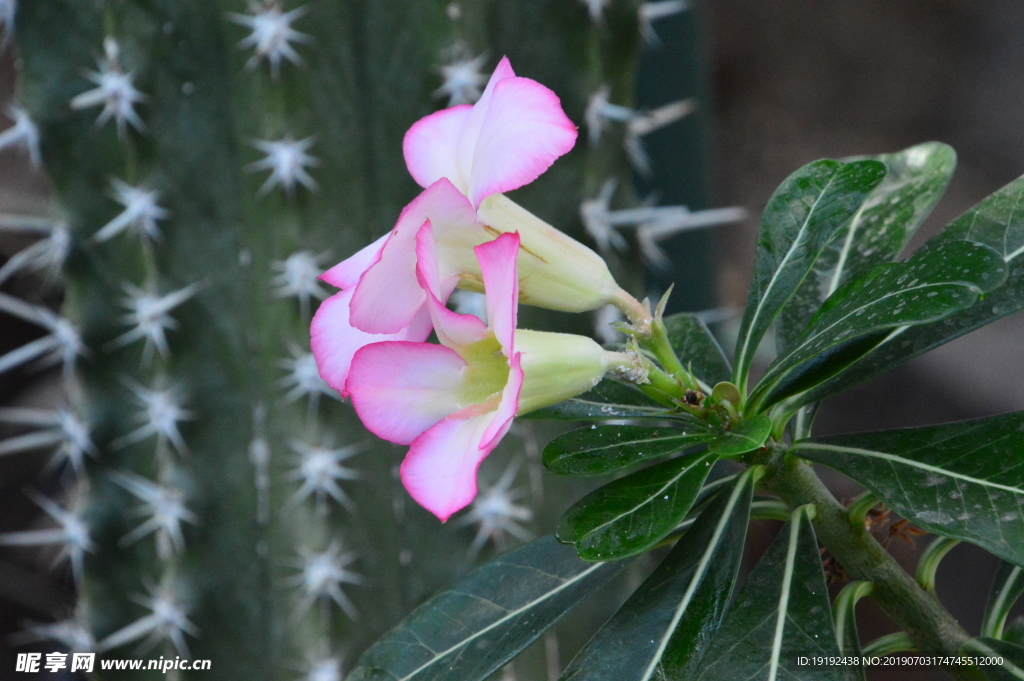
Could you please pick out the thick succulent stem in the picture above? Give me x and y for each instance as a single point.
(260, 159)
(919, 613)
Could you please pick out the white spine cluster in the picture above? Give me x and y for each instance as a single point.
(167, 621)
(115, 91)
(69, 633)
(653, 11)
(600, 112)
(469, 302)
(46, 255)
(595, 8)
(303, 379)
(297, 277)
(8, 8)
(605, 321)
(323, 668)
(60, 428)
(322, 575)
(320, 470)
(287, 161)
(149, 318)
(496, 514)
(62, 346)
(140, 214)
(651, 223)
(463, 80)
(164, 510)
(162, 410)
(598, 220)
(24, 133)
(72, 535)
(272, 34)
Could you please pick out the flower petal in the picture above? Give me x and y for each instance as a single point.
(334, 340)
(347, 272)
(471, 128)
(507, 139)
(453, 330)
(440, 469)
(388, 294)
(430, 147)
(401, 389)
(498, 267)
(509, 404)
(522, 133)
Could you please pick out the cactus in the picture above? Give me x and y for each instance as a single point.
(208, 161)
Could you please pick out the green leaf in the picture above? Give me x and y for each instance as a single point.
(963, 480)
(608, 400)
(931, 285)
(781, 613)
(599, 450)
(1007, 588)
(998, 222)
(916, 180)
(632, 514)
(806, 212)
(746, 436)
(665, 625)
(487, 618)
(844, 615)
(1014, 632)
(697, 348)
(1012, 667)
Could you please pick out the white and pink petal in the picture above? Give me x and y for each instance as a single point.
(498, 267)
(400, 389)
(507, 139)
(334, 340)
(430, 147)
(388, 294)
(439, 471)
(453, 330)
(524, 131)
(346, 273)
(508, 406)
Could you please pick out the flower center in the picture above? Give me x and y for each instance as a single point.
(486, 373)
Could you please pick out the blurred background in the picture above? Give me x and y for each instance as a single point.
(778, 85)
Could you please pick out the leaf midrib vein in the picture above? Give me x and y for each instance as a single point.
(907, 462)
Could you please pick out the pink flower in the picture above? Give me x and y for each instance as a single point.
(381, 299)
(452, 402)
(507, 139)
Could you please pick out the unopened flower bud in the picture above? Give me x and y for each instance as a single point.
(557, 366)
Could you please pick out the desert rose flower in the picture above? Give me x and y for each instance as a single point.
(454, 402)
(505, 140)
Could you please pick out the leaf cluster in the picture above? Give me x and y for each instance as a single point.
(828, 279)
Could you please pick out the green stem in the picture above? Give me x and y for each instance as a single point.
(663, 382)
(859, 509)
(638, 315)
(931, 628)
(658, 395)
(928, 564)
(660, 345)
